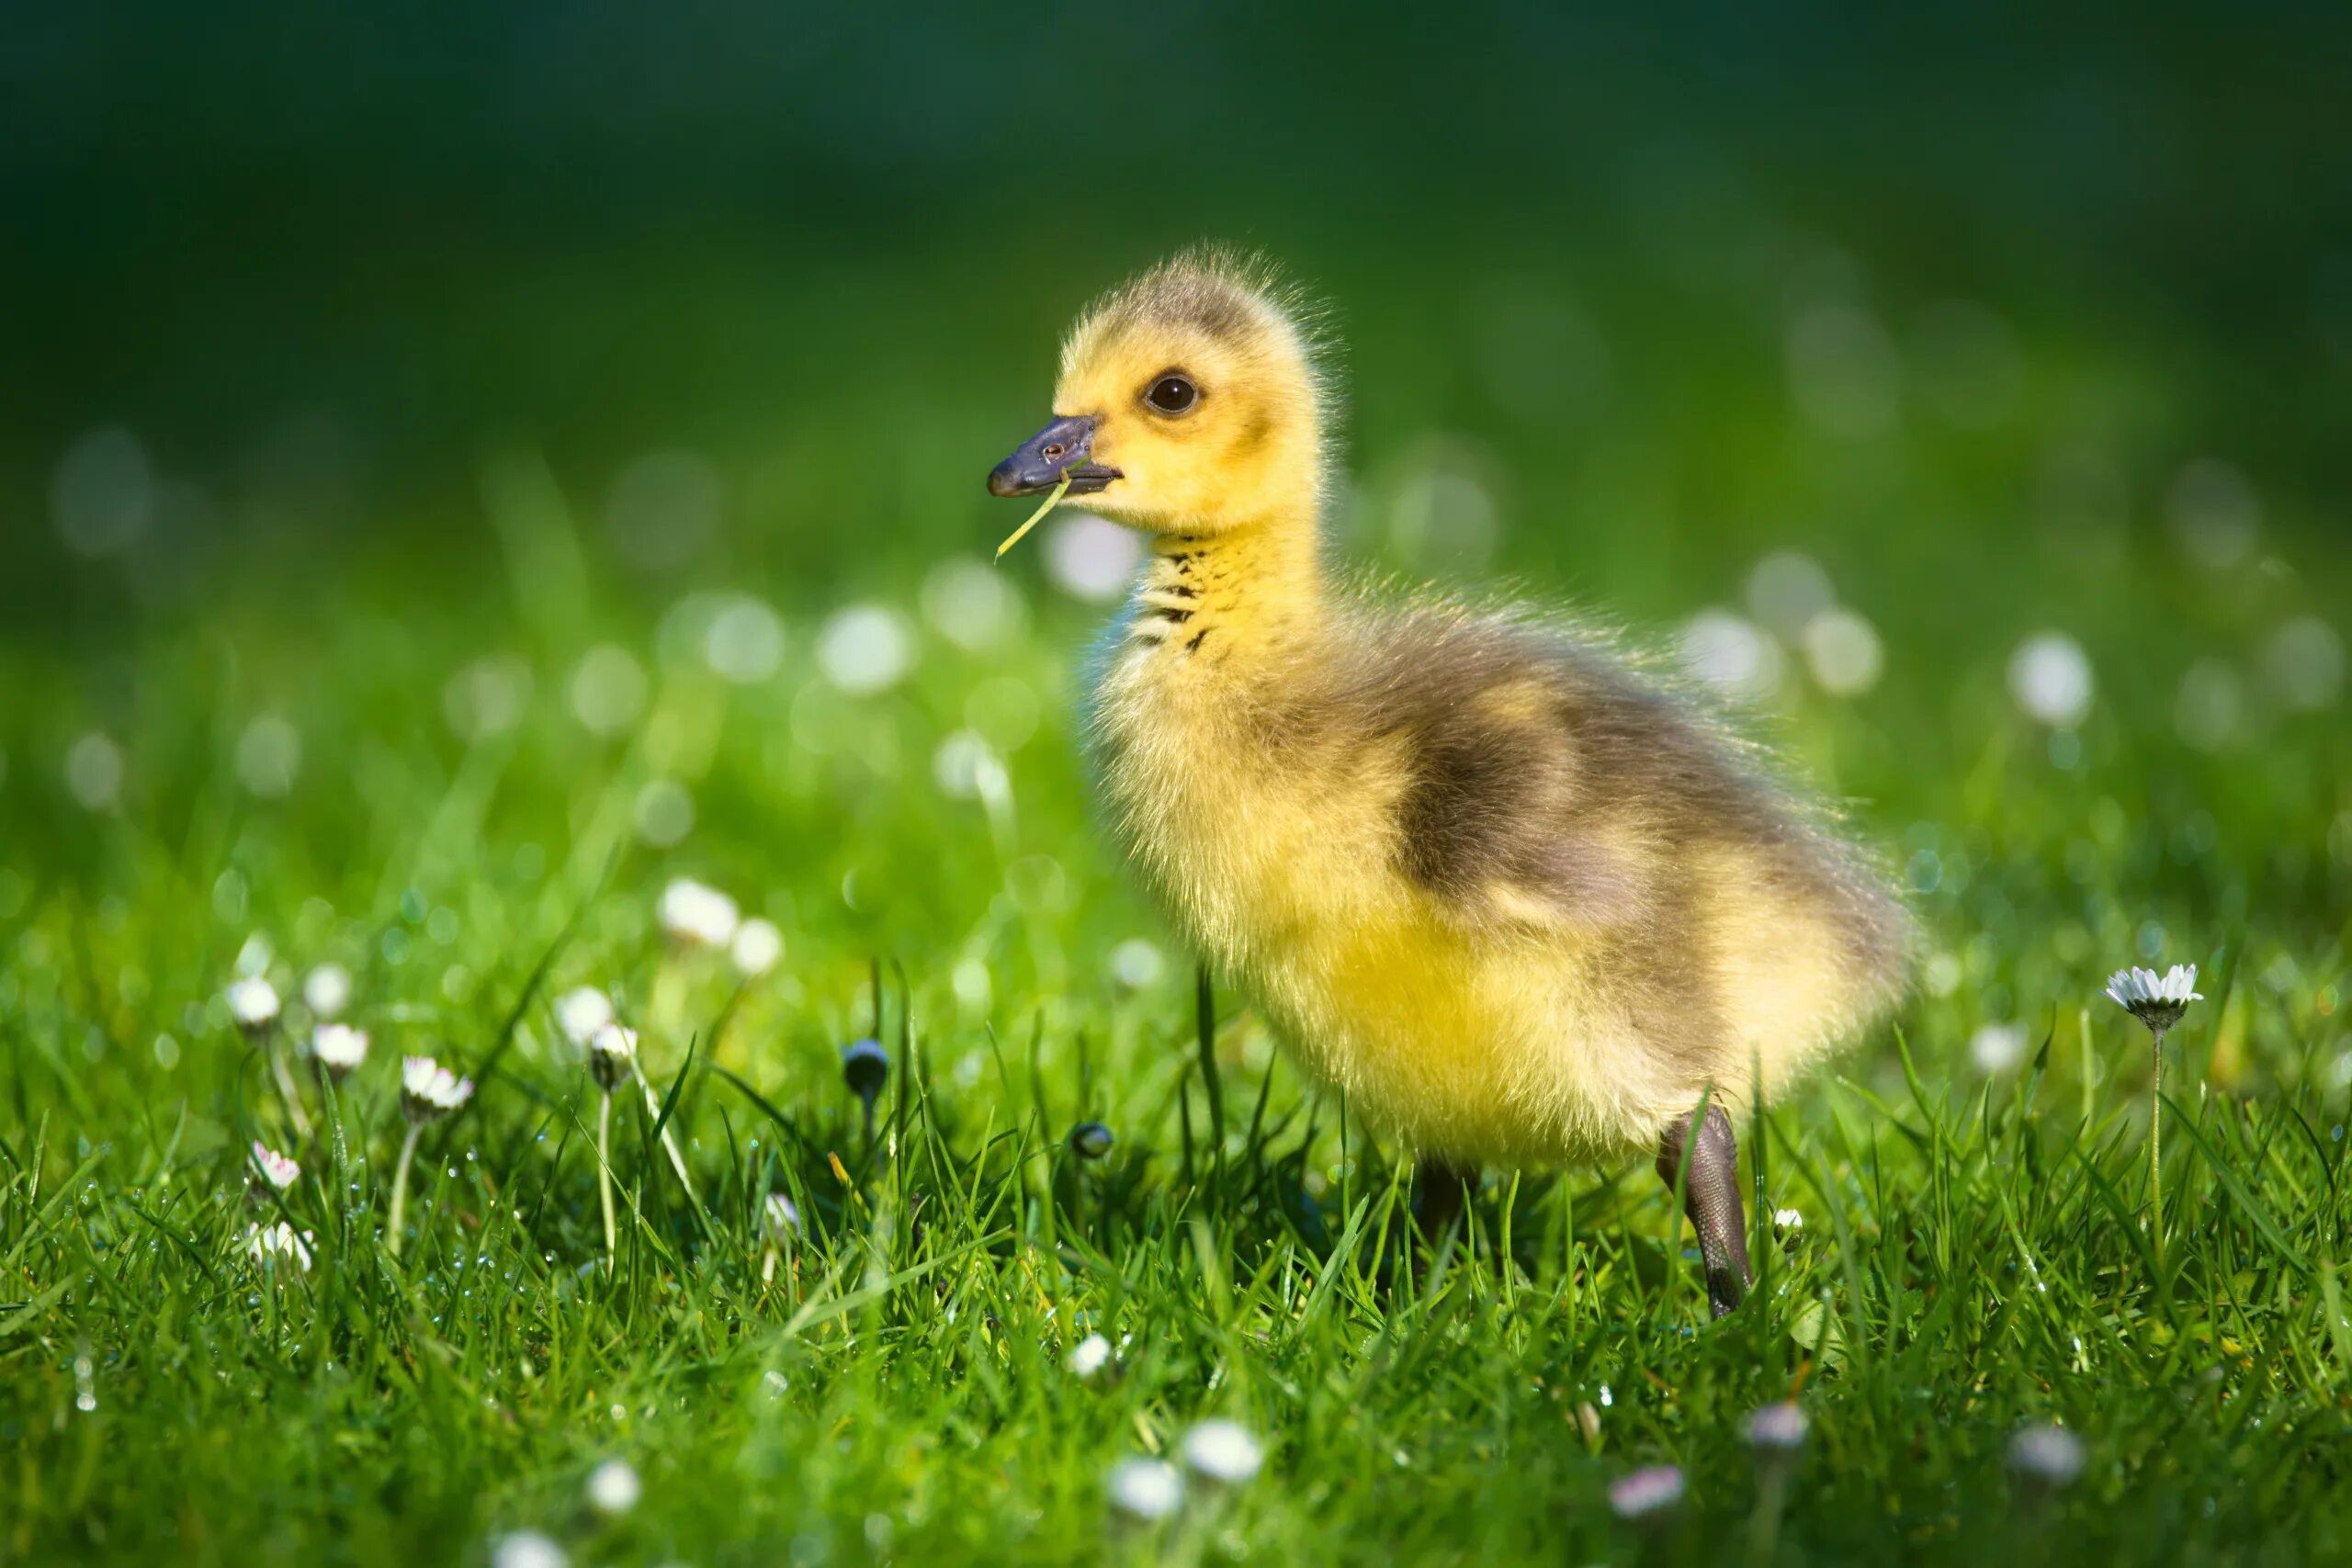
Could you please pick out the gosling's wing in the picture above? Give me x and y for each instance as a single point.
(1536, 780)
(1545, 776)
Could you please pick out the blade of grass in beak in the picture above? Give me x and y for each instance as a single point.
(1036, 517)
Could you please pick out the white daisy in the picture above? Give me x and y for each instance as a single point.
(526, 1549)
(581, 1012)
(2052, 1455)
(1777, 1427)
(697, 915)
(265, 1243)
(1648, 1491)
(253, 1002)
(1090, 1355)
(1997, 1047)
(758, 947)
(1147, 1488)
(614, 1488)
(783, 1219)
(274, 1167)
(2050, 677)
(327, 991)
(429, 1091)
(1224, 1450)
(2155, 1000)
(339, 1048)
(612, 1055)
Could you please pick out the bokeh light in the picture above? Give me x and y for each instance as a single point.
(608, 690)
(1091, 559)
(864, 648)
(93, 769)
(2050, 676)
(1731, 654)
(1843, 650)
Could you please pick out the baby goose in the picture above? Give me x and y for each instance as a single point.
(1521, 904)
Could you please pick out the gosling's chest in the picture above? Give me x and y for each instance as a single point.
(1237, 803)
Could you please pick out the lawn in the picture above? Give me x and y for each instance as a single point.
(2085, 694)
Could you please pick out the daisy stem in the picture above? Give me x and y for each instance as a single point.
(331, 1106)
(1764, 1523)
(668, 1143)
(2155, 1148)
(400, 1182)
(288, 1092)
(605, 1175)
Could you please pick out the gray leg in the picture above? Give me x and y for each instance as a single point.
(1444, 1187)
(1711, 1196)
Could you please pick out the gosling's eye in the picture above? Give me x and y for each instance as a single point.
(1172, 394)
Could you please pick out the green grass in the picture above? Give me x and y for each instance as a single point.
(1974, 1255)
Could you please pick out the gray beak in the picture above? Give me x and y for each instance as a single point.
(1057, 452)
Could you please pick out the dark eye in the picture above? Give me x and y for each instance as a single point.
(1172, 394)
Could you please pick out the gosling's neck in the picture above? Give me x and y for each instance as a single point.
(1228, 599)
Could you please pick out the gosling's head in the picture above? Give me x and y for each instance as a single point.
(1188, 402)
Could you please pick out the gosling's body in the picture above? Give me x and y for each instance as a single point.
(1523, 904)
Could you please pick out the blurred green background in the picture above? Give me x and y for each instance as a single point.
(464, 467)
(314, 258)
(366, 368)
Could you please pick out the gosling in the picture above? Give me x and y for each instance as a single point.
(1521, 904)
